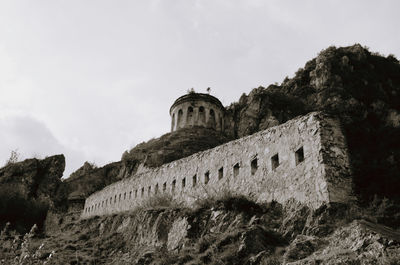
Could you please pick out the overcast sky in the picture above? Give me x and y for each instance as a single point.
(91, 79)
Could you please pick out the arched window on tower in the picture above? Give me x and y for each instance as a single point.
(211, 119)
(173, 122)
(202, 116)
(189, 118)
(180, 117)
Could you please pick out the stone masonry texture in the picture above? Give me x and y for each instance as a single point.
(305, 159)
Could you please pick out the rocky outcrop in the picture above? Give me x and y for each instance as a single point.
(34, 178)
(260, 110)
(359, 242)
(359, 87)
(90, 178)
(28, 189)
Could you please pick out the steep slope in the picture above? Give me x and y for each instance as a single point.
(172, 146)
(226, 230)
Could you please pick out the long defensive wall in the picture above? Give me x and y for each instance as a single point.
(304, 159)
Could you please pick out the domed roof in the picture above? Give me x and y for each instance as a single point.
(196, 97)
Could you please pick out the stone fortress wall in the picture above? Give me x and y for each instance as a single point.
(304, 159)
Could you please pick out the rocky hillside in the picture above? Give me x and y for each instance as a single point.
(28, 188)
(90, 178)
(172, 146)
(223, 230)
(359, 87)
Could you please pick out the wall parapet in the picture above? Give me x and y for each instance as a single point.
(304, 159)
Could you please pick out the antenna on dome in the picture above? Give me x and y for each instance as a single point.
(208, 90)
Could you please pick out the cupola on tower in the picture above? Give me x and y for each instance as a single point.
(197, 109)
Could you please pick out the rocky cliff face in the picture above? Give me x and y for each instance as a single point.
(359, 87)
(28, 189)
(90, 178)
(34, 178)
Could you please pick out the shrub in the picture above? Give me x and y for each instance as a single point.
(161, 200)
(230, 201)
(21, 212)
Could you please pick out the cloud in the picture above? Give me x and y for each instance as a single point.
(31, 138)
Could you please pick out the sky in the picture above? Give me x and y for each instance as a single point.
(93, 78)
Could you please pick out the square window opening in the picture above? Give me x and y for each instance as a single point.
(221, 173)
(299, 155)
(236, 170)
(254, 166)
(206, 177)
(194, 182)
(275, 161)
(173, 186)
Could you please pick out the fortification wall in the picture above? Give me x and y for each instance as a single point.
(305, 159)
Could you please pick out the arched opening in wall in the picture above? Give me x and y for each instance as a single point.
(173, 186)
(189, 117)
(124, 195)
(149, 191)
(135, 193)
(236, 169)
(156, 189)
(106, 202)
(179, 121)
(110, 200)
(202, 116)
(254, 165)
(206, 177)
(130, 195)
(173, 122)
(164, 187)
(183, 183)
(299, 155)
(115, 199)
(102, 204)
(119, 197)
(211, 119)
(275, 161)
(220, 173)
(142, 192)
(194, 181)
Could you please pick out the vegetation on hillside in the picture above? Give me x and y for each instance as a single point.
(173, 146)
(27, 189)
(21, 212)
(224, 229)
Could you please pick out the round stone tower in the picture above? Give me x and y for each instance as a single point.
(197, 109)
